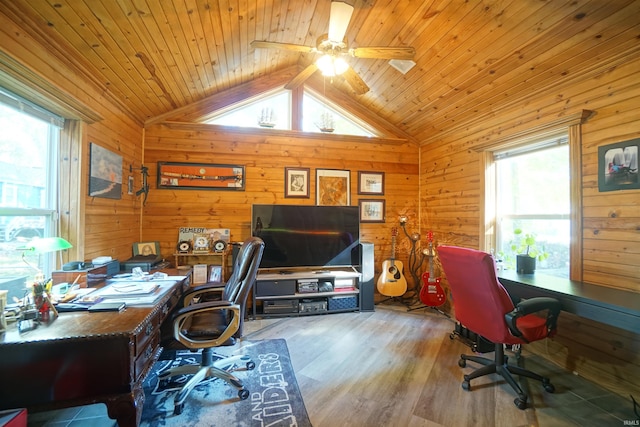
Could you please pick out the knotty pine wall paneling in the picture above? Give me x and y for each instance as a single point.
(35, 64)
(450, 196)
(264, 155)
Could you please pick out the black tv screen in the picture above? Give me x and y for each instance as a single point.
(306, 235)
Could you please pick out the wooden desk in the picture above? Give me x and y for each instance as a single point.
(83, 358)
(614, 307)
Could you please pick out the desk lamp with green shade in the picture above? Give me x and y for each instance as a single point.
(40, 286)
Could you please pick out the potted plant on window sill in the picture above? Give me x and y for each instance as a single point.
(527, 251)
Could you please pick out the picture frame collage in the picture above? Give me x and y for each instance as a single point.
(333, 189)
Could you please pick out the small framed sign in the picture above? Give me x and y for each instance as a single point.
(296, 183)
(372, 210)
(371, 183)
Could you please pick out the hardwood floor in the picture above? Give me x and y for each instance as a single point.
(395, 368)
(391, 367)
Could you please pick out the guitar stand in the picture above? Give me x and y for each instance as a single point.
(432, 308)
(401, 299)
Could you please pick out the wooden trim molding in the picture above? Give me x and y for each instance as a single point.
(280, 133)
(29, 85)
(571, 125)
(524, 137)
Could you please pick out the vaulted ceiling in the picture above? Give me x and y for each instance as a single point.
(473, 57)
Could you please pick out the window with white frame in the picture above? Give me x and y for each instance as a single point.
(532, 194)
(29, 146)
(273, 110)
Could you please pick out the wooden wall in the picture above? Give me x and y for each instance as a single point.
(451, 198)
(265, 154)
(35, 69)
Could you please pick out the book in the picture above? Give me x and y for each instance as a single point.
(107, 306)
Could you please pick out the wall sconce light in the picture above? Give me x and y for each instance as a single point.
(145, 184)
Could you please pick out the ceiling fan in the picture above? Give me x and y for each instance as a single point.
(333, 49)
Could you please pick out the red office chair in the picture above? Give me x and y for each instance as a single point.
(483, 306)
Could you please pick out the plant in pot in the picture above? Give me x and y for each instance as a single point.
(527, 251)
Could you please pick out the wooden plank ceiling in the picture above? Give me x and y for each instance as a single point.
(473, 57)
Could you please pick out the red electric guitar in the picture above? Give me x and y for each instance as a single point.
(431, 294)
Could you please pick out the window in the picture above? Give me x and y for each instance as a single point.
(533, 194)
(273, 110)
(28, 188)
(319, 116)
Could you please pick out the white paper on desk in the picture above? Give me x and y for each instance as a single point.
(148, 300)
(128, 289)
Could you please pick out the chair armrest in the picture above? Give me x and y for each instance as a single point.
(198, 291)
(202, 306)
(182, 315)
(530, 306)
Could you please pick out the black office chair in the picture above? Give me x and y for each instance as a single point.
(199, 323)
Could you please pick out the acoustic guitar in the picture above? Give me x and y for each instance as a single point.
(431, 294)
(392, 282)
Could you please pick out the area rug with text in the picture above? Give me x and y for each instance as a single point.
(274, 398)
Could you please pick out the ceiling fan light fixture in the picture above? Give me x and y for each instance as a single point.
(331, 65)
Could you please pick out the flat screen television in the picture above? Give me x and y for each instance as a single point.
(307, 235)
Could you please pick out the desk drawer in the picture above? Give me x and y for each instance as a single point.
(148, 331)
(147, 357)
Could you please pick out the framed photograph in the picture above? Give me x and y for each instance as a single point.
(215, 273)
(371, 183)
(296, 183)
(146, 248)
(200, 176)
(371, 210)
(333, 187)
(618, 166)
(105, 173)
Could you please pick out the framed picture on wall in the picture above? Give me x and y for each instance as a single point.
(371, 183)
(371, 210)
(200, 176)
(618, 166)
(333, 187)
(296, 182)
(105, 173)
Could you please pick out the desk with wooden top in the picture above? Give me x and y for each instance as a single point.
(82, 358)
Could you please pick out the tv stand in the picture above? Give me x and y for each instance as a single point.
(306, 292)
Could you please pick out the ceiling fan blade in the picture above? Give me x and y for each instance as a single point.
(339, 20)
(383, 52)
(283, 46)
(357, 84)
(302, 76)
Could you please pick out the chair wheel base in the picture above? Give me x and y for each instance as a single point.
(466, 385)
(520, 403)
(243, 394)
(177, 409)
